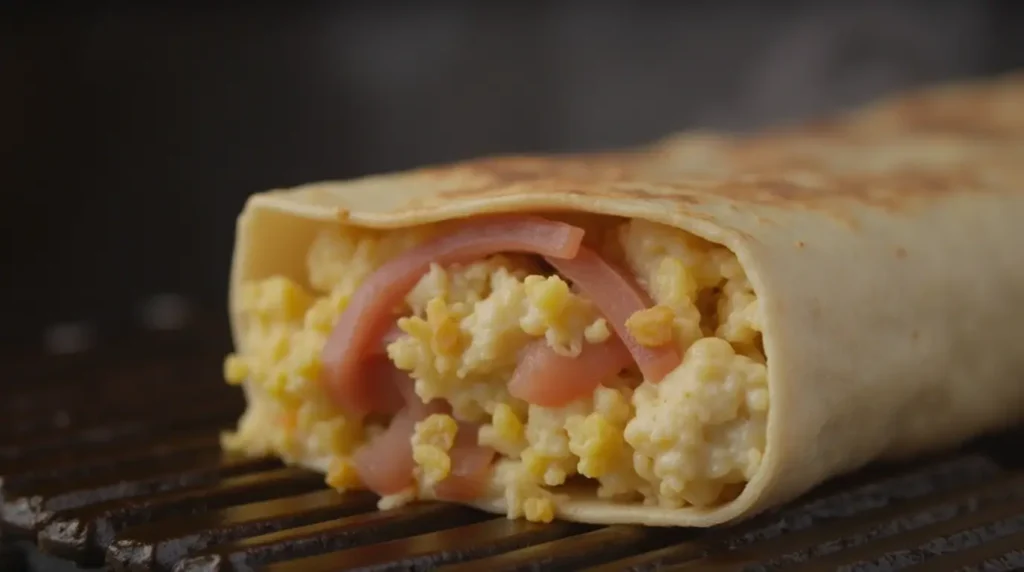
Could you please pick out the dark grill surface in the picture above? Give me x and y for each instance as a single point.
(109, 459)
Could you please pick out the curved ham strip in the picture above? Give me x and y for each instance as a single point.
(471, 464)
(384, 383)
(618, 298)
(549, 379)
(369, 314)
(385, 464)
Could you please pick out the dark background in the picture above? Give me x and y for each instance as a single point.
(131, 133)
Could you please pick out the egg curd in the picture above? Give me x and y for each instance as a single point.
(693, 439)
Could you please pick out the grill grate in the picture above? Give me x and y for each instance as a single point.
(110, 460)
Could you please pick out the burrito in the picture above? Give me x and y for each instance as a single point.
(661, 337)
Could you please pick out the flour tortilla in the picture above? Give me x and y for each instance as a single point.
(991, 109)
(937, 120)
(890, 289)
(928, 126)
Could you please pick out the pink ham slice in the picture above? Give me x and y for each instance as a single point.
(385, 464)
(369, 314)
(617, 298)
(549, 379)
(471, 464)
(385, 384)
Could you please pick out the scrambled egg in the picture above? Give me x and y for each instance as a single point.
(431, 441)
(469, 322)
(693, 439)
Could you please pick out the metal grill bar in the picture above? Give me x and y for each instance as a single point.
(607, 543)
(834, 520)
(1002, 555)
(83, 535)
(862, 530)
(389, 533)
(156, 545)
(432, 549)
(107, 461)
(917, 546)
(25, 510)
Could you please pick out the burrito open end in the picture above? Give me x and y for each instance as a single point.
(512, 353)
(517, 335)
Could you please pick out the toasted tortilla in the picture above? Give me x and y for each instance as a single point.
(889, 272)
(989, 109)
(928, 125)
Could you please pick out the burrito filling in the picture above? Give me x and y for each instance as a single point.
(510, 356)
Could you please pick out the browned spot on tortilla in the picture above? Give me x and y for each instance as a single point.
(915, 335)
(516, 169)
(341, 214)
(901, 252)
(799, 244)
(898, 190)
(679, 194)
